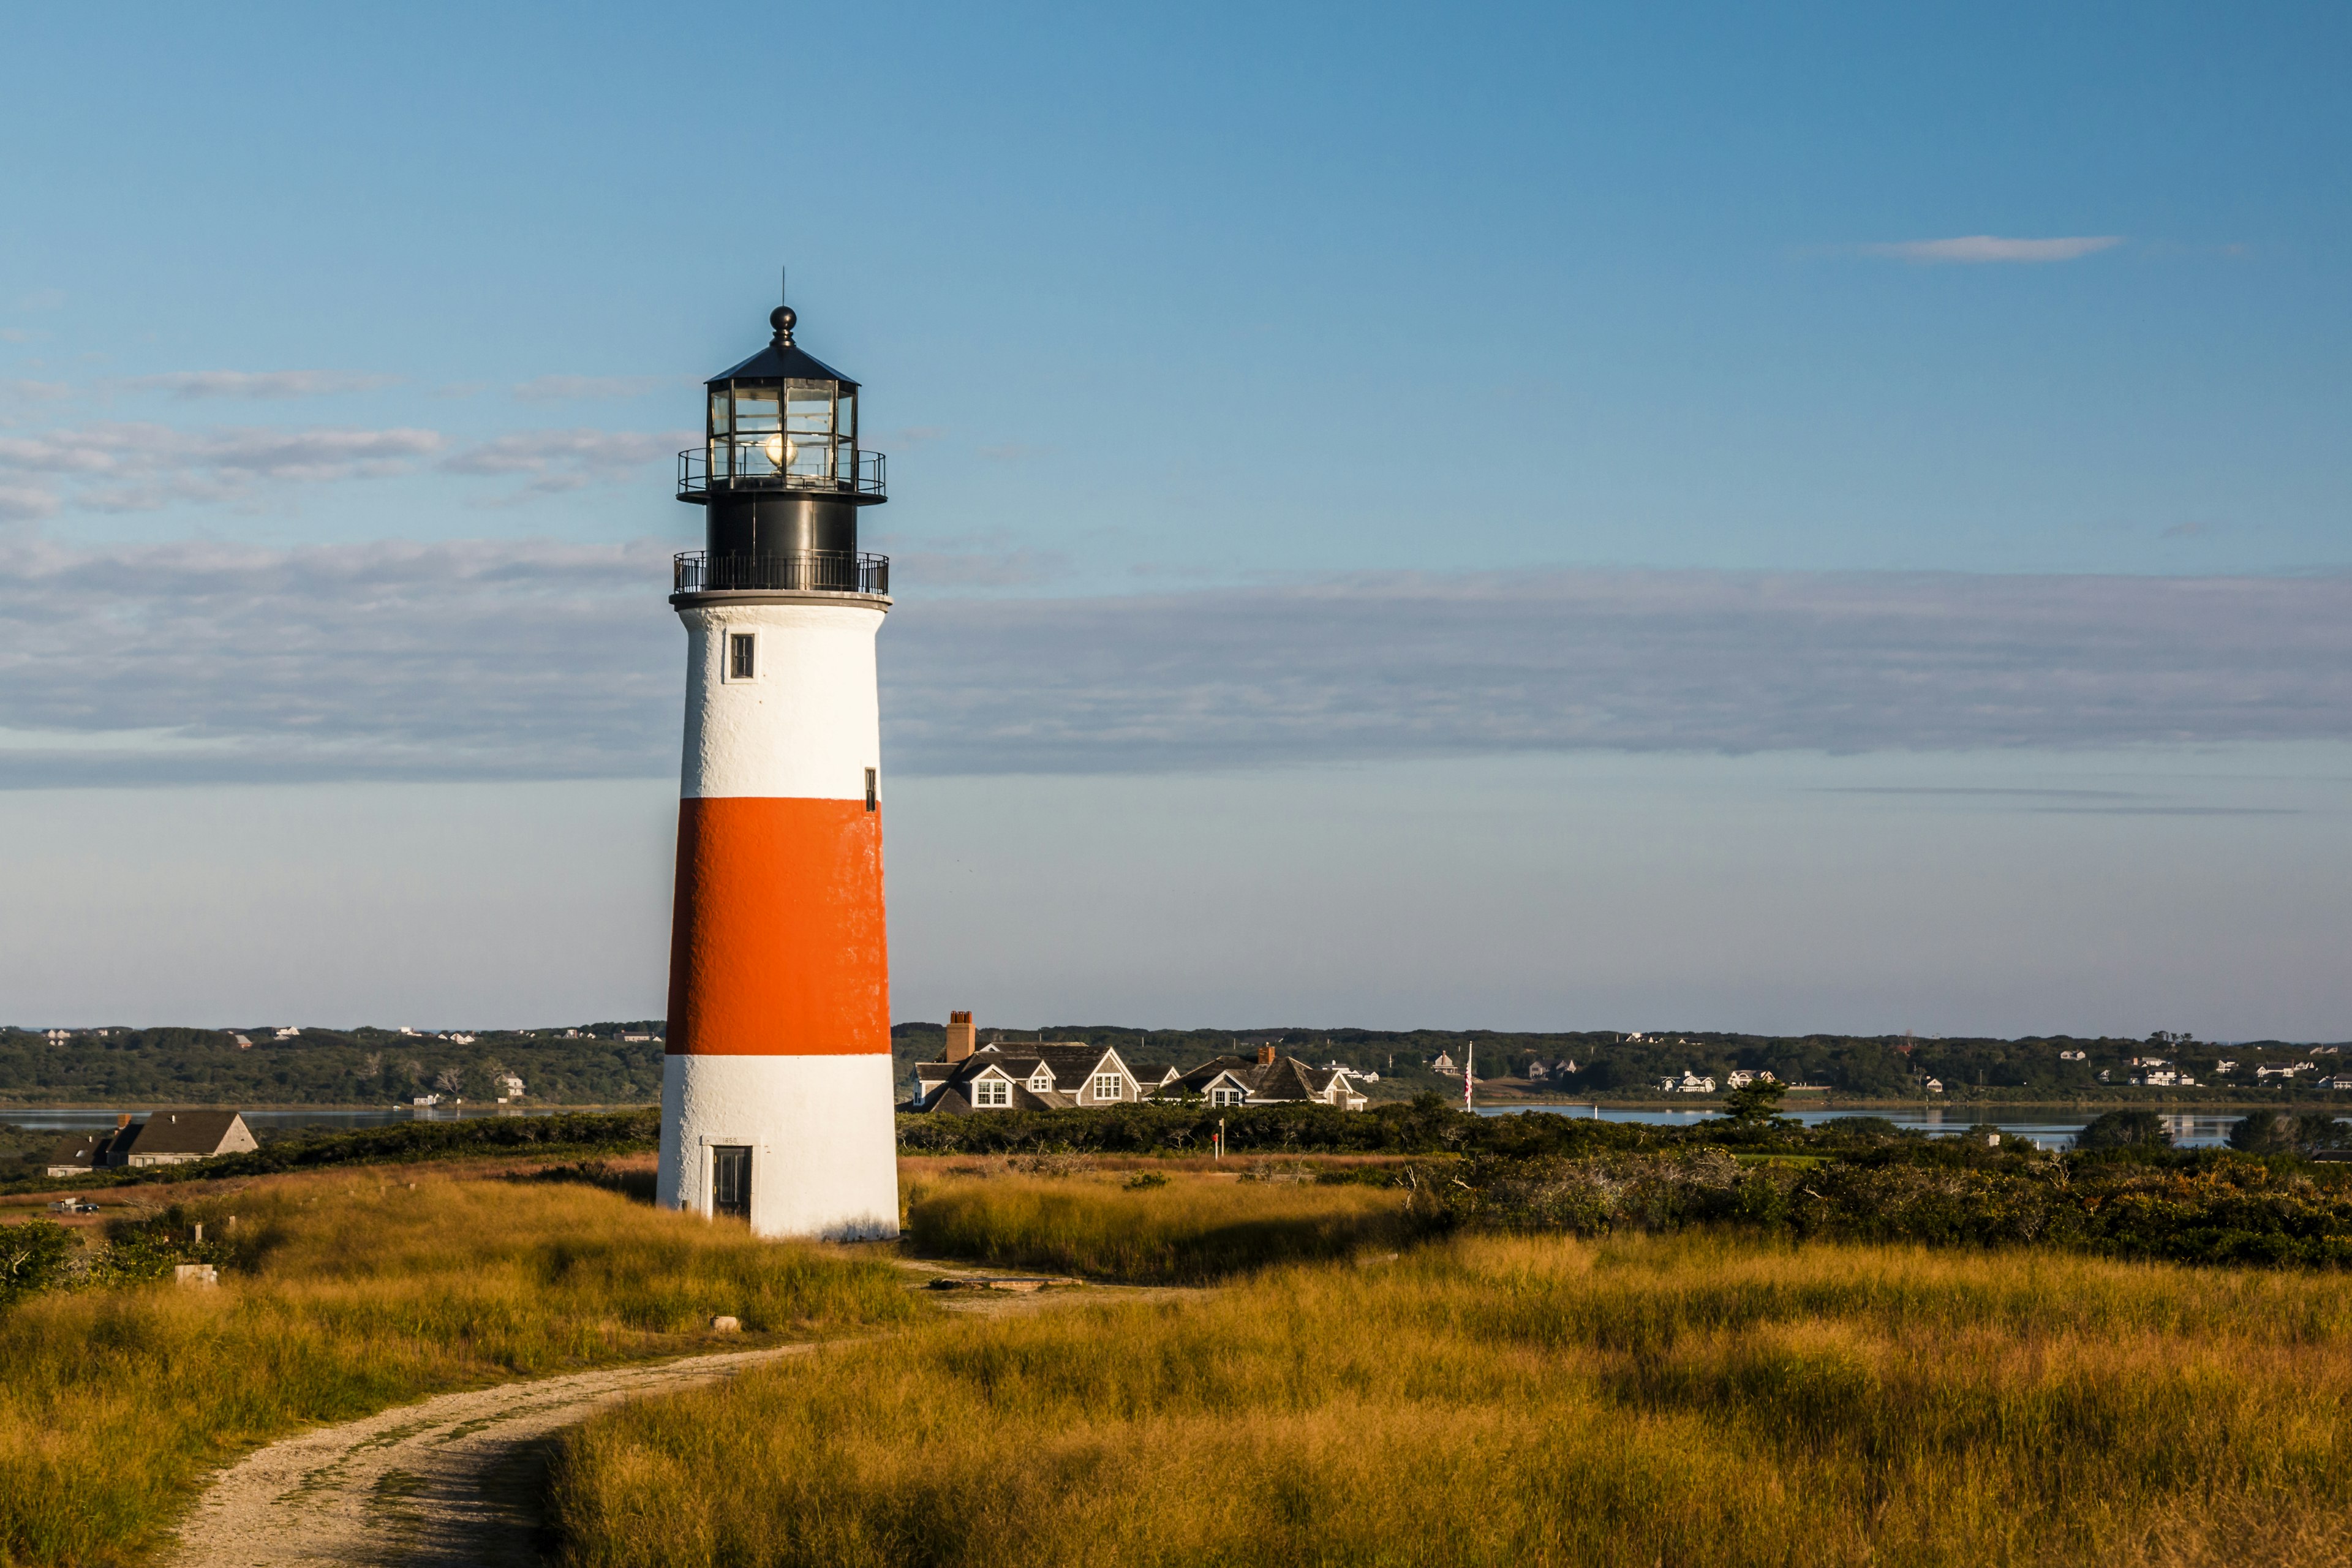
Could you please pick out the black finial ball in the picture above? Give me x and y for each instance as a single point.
(782, 318)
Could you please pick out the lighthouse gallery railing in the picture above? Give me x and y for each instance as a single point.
(812, 571)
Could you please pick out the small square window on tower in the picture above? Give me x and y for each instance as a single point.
(869, 789)
(742, 655)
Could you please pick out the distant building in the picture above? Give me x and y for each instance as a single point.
(79, 1153)
(1934, 1086)
(638, 1039)
(56, 1037)
(1268, 1079)
(1445, 1063)
(288, 1034)
(1053, 1075)
(2074, 1056)
(508, 1087)
(1740, 1077)
(176, 1137)
(1689, 1083)
(2225, 1066)
(461, 1039)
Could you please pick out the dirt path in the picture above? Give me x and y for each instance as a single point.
(457, 1479)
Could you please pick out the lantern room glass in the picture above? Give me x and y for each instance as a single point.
(801, 432)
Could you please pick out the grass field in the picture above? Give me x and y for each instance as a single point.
(1686, 1400)
(1192, 1228)
(350, 1292)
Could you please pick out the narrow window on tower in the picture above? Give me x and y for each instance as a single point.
(869, 789)
(740, 665)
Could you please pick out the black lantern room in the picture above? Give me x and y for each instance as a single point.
(782, 475)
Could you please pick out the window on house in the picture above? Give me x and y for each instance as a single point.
(1224, 1096)
(1042, 1082)
(991, 1092)
(740, 664)
(1106, 1086)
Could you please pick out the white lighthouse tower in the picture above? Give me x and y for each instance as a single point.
(777, 1090)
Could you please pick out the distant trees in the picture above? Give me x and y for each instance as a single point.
(2283, 1132)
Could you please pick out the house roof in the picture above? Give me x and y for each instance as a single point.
(1069, 1061)
(1285, 1078)
(84, 1149)
(184, 1133)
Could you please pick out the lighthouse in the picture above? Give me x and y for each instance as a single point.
(777, 1088)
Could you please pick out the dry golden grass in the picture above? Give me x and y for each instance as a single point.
(353, 1291)
(1510, 1400)
(1199, 1226)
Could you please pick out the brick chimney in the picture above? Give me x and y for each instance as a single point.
(959, 1036)
(1266, 1056)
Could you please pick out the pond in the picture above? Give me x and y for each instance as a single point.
(2046, 1127)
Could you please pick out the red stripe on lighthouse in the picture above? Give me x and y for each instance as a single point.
(777, 942)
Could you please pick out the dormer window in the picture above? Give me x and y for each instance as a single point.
(1107, 1086)
(1224, 1094)
(992, 1092)
(1041, 1082)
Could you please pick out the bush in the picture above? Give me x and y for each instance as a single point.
(2125, 1130)
(33, 1254)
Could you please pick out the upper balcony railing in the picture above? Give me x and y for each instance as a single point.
(773, 460)
(810, 571)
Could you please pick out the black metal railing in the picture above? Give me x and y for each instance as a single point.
(812, 571)
(763, 462)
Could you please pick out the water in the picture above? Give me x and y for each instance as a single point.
(268, 1123)
(2189, 1129)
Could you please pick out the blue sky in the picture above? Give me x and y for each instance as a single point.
(1303, 401)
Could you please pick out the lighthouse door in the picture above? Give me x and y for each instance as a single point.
(730, 1180)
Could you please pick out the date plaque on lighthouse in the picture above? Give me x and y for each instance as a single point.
(777, 1090)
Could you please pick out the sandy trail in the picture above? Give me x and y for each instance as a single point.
(457, 1479)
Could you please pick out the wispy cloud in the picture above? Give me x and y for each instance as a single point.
(1405, 664)
(558, 461)
(257, 384)
(545, 660)
(571, 388)
(134, 467)
(1990, 248)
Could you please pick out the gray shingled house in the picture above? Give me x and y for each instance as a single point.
(1270, 1079)
(1053, 1075)
(79, 1153)
(176, 1137)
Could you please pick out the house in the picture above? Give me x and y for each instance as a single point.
(2149, 1062)
(423, 1099)
(2164, 1078)
(79, 1153)
(1740, 1077)
(2225, 1066)
(2287, 1070)
(1445, 1063)
(1934, 1086)
(2341, 1081)
(243, 1043)
(1538, 1072)
(2074, 1056)
(638, 1039)
(461, 1039)
(1048, 1075)
(288, 1034)
(56, 1037)
(176, 1137)
(1268, 1079)
(1689, 1083)
(510, 1087)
